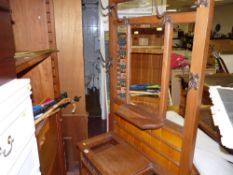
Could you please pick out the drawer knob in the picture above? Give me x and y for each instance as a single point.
(10, 141)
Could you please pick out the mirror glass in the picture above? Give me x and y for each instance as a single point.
(136, 8)
(146, 56)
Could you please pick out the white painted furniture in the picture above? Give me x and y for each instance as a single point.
(18, 146)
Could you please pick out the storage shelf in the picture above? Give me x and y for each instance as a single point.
(26, 60)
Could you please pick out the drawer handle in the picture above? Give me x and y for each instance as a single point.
(10, 141)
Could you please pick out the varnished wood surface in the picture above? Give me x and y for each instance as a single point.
(169, 147)
(4, 4)
(6, 35)
(68, 21)
(48, 146)
(219, 79)
(30, 28)
(112, 54)
(223, 46)
(139, 117)
(165, 76)
(41, 81)
(7, 68)
(186, 17)
(145, 68)
(148, 103)
(112, 155)
(33, 31)
(69, 38)
(200, 51)
(165, 154)
(53, 45)
(147, 50)
(74, 130)
(27, 60)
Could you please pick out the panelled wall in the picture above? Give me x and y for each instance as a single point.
(146, 68)
(31, 34)
(33, 30)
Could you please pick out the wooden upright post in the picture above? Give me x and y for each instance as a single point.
(113, 56)
(166, 67)
(204, 17)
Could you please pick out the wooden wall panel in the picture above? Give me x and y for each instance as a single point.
(31, 33)
(68, 25)
(68, 22)
(33, 30)
(153, 40)
(47, 148)
(74, 130)
(146, 68)
(7, 66)
(41, 81)
(30, 28)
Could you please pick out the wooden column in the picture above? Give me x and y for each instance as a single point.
(166, 67)
(113, 56)
(199, 58)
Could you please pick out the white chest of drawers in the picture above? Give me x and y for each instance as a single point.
(18, 147)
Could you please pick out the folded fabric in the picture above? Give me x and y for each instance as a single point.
(144, 87)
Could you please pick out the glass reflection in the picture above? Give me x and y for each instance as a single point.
(146, 65)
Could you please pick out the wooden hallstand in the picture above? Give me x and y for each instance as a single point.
(143, 141)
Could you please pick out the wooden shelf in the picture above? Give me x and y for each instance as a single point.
(147, 50)
(26, 60)
(139, 117)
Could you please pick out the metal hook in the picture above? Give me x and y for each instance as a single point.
(202, 2)
(158, 14)
(193, 81)
(105, 63)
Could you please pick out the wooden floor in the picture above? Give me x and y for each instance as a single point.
(96, 126)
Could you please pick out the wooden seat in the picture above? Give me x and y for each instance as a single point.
(108, 154)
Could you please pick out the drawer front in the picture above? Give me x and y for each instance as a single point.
(13, 95)
(28, 161)
(24, 109)
(14, 139)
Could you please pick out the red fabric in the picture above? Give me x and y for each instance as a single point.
(177, 61)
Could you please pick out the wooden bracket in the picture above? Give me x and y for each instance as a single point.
(202, 2)
(193, 81)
